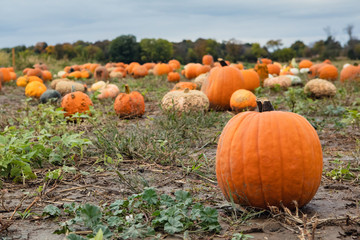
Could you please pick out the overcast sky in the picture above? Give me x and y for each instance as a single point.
(25, 22)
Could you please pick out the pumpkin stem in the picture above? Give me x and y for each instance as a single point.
(186, 90)
(264, 105)
(222, 62)
(127, 89)
(260, 61)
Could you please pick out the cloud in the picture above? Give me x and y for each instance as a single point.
(28, 22)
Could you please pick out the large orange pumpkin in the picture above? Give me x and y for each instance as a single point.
(251, 79)
(76, 102)
(221, 83)
(273, 69)
(129, 104)
(328, 72)
(191, 70)
(350, 73)
(269, 158)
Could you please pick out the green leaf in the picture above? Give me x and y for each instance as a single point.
(183, 196)
(51, 210)
(166, 200)
(150, 196)
(75, 237)
(105, 231)
(99, 235)
(173, 226)
(114, 221)
(91, 215)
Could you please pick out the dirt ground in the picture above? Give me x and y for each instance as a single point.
(332, 214)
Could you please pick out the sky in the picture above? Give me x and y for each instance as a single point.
(25, 22)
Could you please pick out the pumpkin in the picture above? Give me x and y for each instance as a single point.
(76, 102)
(115, 74)
(183, 85)
(185, 101)
(74, 74)
(34, 78)
(208, 60)
(41, 66)
(350, 73)
(13, 75)
(320, 88)
(85, 74)
(109, 91)
(35, 72)
(162, 69)
(22, 81)
(273, 69)
(281, 81)
(47, 76)
(221, 83)
(35, 89)
(6, 74)
(262, 71)
(328, 72)
(239, 66)
(173, 77)
(264, 60)
(242, 99)
(202, 69)
(269, 158)
(98, 85)
(101, 73)
(149, 65)
(139, 71)
(93, 67)
(199, 80)
(1, 79)
(314, 69)
(305, 64)
(191, 70)
(129, 104)
(174, 64)
(129, 68)
(50, 95)
(251, 79)
(56, 81)
(65, 87)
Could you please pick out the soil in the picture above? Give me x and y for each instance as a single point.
(332, 214)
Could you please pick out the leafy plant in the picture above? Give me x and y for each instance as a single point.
(141, 215)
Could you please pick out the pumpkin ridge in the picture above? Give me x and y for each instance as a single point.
(259, 158)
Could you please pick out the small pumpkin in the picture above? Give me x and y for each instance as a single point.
(199, 80)
(76, 102)
(47, 76)
(162, 69)
(251, 79)
(174, 64)
(6, 76)
(328, 72)
(243, 99)
(305, 64)
(185, 101)
(208, 60)
(273, 69)
(173, 77)
(183, 85)
(56, 81)
(98, 85)
(22, 81)
(269, 158)
(350, 73)
(35, 72)
(50, 95)
(101, 73)
(35, 89)
(65, 87)
(129, 104)
(109, 91)
(262, 71)
(139, 71)
(281, 81)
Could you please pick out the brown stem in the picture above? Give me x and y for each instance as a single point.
(127, 89)
(264, 105)
(222, 62)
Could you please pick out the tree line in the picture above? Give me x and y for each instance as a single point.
(126, 48)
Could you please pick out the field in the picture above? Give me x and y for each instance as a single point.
(102, 172)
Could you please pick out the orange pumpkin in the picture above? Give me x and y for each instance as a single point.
(202, 69)
(314, 69)
(208, 60)
(6, 74)
(75, 74)
(273, 69)
(221, 83)
(350, 73)
(139, 71)
(173, 77)
(129, 104)
(242, 99)
(1, 79)
(269, 158)
(149, 65)
(130, 67)
(85, 73)
(47, 76)
(100, 74)
(328, 72)
(35, 89)
(305, 64)
(251, 79)
(162, 69)
(265, 61)
(174, 64)
(35, 72)
(184, 85)
(191, 70)
(22, 81)
(262, 71)
(76, 102)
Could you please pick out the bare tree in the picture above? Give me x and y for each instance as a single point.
(349, 30)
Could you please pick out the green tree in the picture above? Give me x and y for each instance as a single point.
(283, 55)
(258, 51)
(299, 48)
(274, 44)
(155, 50)
(124, 49)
